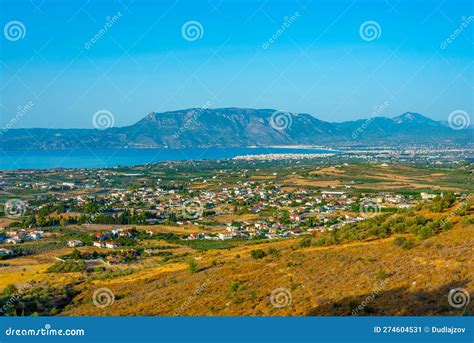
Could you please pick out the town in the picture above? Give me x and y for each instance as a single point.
(72, 228)
(225, 204)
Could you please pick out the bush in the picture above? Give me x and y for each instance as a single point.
(324, 241)
(234, 286)
(404, 243)
(305, 243)
(425, 232)
(258, 254)
(193, 266)
(273, 251)
(382, 274)
(468, 220)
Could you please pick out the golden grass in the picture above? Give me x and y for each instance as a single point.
(316, 277)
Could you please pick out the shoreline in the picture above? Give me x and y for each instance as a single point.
(116, 158)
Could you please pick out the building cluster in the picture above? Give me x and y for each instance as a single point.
(107, 239)
(299, 212)
(18, 236)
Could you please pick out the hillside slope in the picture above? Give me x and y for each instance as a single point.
(330, 280)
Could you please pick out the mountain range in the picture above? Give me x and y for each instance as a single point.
(240, 127)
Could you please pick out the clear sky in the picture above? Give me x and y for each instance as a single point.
(320, 63)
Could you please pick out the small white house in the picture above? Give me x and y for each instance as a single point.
(225, 235)
(112, 245)
(74, 244)
(99, 244)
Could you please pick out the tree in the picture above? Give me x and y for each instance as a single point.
(193, 266)
(75, 255)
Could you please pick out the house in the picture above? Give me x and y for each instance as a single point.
(125, 234)
(13, 240)
(225, 235)
(5, 252)
(296, 217)
(112, 245)
(99, 244)
(74, 244)
(260, 225)
(427, 196)
(196, 235)
(116, 231)
(35, 235)
(99, 236)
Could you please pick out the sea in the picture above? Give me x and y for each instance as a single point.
(105, 158)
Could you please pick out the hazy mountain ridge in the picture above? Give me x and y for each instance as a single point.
(240, 127)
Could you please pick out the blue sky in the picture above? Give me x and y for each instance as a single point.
(318, 64)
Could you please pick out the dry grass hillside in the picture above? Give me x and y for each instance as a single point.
(329, 280)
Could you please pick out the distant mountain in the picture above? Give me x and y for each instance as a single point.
(239, 127)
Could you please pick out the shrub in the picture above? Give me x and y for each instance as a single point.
(425, 232)
(382, 274)
(234, 286)
(404, 243)
(258, 254)
(448, 225)
(305, 243)
(193, 266)
(273, 251)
